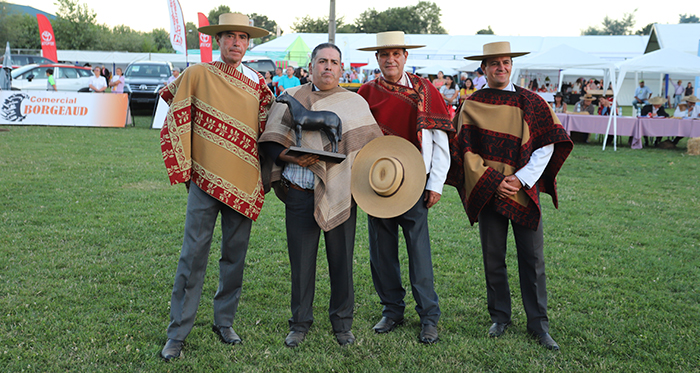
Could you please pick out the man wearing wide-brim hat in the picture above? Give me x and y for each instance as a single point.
(217, 110)
(509, 147)
(585, 104)
(655, 109)
(410, 107)
(691, 110)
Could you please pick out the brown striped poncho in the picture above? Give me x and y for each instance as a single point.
(497, 133)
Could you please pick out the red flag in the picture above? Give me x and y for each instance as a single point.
(204, 40)
(48, 42)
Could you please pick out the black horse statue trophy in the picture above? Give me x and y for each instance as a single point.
(304, 119)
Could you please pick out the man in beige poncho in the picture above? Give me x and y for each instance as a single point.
(317, 193)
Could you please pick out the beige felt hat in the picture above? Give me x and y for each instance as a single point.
(389, 40)
(388, 177)
(691, 98)
(588, 96)
(657, 101)
(497, 49)
(234, 22)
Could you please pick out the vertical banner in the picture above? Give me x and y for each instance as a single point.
(178, 36)
(48, 42)
(204, 39)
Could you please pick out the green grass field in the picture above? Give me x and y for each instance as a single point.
(90, 234)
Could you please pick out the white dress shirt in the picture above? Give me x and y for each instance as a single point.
(435, 150)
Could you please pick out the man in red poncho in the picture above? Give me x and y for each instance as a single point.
(408, 106)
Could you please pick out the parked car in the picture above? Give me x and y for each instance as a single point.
(68, 77)
(25, 59)
(143, 80)
(260, 64)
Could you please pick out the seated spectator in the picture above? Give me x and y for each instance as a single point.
(467, 89)
(559, 106)
(655, 109)
(268, 81)
(689, 109)
(689, 91)
(585, 104)
(641, 95)
(604, 105)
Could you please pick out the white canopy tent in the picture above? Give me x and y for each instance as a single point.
(563, 57)
(662, 61)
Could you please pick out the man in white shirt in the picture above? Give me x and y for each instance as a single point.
(97, 82)
(510, 146)
(408, 106)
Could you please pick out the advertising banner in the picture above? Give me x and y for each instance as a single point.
(46, 108)
(48, 41)
(178, 34)
(204, 39)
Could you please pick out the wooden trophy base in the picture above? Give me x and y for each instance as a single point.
(322, 154)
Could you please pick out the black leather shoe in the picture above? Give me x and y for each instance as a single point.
(498, 328)
(345, 338)
(172, 349)
(294, 338)
(428, 334)
(227, 334)
(547, 341)
(385, 325)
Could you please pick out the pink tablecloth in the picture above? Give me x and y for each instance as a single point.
(626, 126)
(669, 127)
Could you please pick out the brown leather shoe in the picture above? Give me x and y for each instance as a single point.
(345, 338)
(227, 334)
(498, 328)
(172, 349)
(385, 325)
(428, 334)
(294, 338)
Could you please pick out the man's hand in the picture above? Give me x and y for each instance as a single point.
(305, 160)
(508, 187)
(431, 198)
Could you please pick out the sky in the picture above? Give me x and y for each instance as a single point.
(512, 17)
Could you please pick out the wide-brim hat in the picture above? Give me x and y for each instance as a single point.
(234, 22)
(691, 98)
(657, 100)
(496, 49)
(391, 40)
(588, 96)
(388, 177)
(559, 94)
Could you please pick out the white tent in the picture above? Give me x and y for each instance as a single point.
(562, 57)
(434, 69)
(662, 61)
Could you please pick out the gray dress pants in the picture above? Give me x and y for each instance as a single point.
(202, 212)
(303, 235)
(493, 229)
(386, 272)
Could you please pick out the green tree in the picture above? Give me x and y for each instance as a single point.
(74, 26)
(21, 30)
(646, 30)
(192, 35)
(160, 39)
(216, 12)
(320, 25)
(262, 21)
(611, 26)
(485, 31)
(423, 18)
(688, 18)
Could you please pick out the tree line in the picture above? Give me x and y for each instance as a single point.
(625, 25)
